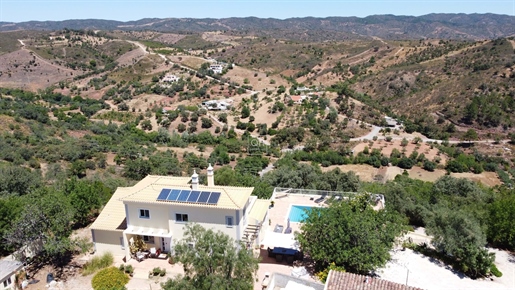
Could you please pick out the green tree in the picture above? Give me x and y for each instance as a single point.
(43, 227)
(245, 112)
(350, 234)
(501, 224)
(470, 135)
(212, 260)
(206, 123)
(459, 235)
(146, 125)
(222, 117)
(86, 197)
(137, 169)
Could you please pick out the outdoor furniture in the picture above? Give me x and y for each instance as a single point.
(289, 259)
(266, 280)
(284, 253)
(320, 199)
(140, 256)
(270, 253)
(288, 230)
(278, 228)
(153, 252)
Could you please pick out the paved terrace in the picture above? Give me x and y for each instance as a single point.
(284, 198)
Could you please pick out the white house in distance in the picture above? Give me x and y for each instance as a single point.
(218, 105)
(158, 207)
(216, 68)
(169, 78)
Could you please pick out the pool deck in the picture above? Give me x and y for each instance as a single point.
(278, 215)
(281, 210)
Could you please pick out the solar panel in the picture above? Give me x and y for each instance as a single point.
(184, 195)
(204, 195)
(213, 198)
(193, 196)
(164, 194)
(174, 194)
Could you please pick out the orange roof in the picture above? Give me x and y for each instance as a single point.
(296, 98)
(348, 281)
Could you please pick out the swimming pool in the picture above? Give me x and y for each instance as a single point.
(298, 213)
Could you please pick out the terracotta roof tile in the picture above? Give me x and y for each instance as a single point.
(348, 281)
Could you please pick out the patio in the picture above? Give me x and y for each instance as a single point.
(141, 279)
(280, 212)
(278, 216)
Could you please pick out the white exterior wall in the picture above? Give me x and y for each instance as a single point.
(108, 241)
(158, 216)
(11, 285)
(164, 217)
(209, 218)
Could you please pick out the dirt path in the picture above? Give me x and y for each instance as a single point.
(42, 59)
(454, 52)
(359, 55)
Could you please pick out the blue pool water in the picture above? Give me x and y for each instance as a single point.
(298, 213)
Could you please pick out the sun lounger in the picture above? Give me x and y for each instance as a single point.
(320, 199)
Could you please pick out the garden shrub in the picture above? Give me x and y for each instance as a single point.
(109, 279)
(97, 263)
(495, 271)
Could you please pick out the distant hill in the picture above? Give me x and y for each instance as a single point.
(447, 26)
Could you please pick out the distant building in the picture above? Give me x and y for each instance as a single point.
(170, 78)
(218, 105)
(390, 122)
(166, 109)
(216, 68)
(296, 99)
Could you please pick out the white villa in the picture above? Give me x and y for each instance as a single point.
(158, 207)
(216, 68)
(169, 78)
(218, 105)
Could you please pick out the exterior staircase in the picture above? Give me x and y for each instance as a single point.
(250, 234)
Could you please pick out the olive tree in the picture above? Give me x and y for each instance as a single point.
(350, 234)
(212, 260)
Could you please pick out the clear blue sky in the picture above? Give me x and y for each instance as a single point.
(25, 10)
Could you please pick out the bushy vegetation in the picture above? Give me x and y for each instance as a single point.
(345, 232)
(213, 262)
(109, 278)
(462, 216)
(96, 263)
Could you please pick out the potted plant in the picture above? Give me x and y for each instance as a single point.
(272, 203)
(170, 259)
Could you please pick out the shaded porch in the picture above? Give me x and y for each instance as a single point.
(145, 243)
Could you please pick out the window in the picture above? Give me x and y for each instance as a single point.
(144, 213)
(148, 239)
(180, 217)
(229, 221)
(7, 282)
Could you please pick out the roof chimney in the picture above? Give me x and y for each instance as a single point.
(194, 180)
(210, 176)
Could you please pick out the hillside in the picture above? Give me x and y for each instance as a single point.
(447, 26)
